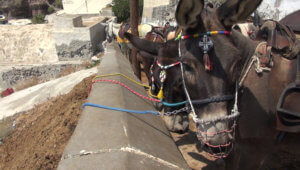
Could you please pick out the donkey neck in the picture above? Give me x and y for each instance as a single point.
(245, 45)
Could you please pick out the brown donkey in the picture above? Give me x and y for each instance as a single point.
(213, 63)
(214, 58)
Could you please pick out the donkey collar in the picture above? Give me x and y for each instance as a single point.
(183, 37)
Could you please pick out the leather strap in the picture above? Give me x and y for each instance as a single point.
(297, 81)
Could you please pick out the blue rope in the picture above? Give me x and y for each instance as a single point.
(202, 101)
(173, 104)
(122, 110)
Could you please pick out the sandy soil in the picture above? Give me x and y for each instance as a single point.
(192, 153)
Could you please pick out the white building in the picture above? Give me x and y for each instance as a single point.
(84, 6)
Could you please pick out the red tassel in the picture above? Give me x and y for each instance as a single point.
(207, 63)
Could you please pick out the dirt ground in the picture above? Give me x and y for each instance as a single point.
(41, 134)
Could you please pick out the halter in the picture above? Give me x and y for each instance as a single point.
(201, 123)
(205, 44)
(162, 76)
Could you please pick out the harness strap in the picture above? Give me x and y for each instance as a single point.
(297, 80)
(249, 63)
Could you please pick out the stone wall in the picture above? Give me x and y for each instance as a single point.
(74, 41)
(277, 9)
(159, 12)
(27, 44)
(10, 77)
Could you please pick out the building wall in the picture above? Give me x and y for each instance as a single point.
(73, 40)
(27, 44)
(84, 6)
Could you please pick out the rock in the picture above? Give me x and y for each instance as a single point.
(95, 59)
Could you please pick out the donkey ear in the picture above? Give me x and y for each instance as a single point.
(187, 12)
(144, 54)
(233, 11)
(143, 45)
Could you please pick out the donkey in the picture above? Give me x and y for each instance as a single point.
(213, 62)
(148, 61)
(211, 67)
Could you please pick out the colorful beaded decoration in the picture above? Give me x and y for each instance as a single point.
(152, 78)
(162, 77)
(205, 44)
(167, 66)
(201, 34)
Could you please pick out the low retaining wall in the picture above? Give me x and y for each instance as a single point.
(106, 139)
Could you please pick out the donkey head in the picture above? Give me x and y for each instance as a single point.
(211, 62)
(165, 54)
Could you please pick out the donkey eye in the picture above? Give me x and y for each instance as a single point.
(187, 67)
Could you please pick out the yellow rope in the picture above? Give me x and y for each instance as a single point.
(151, 95)
(120, 74)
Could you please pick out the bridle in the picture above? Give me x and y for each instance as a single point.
(162, 77)
(202, 123)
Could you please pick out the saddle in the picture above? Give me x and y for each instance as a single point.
(289, 120)
(282, 41)
(291, 20)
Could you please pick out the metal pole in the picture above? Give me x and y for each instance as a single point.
(86, 6)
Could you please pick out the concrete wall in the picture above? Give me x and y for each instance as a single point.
(75, 41)
(106, 139)
(27, 44)
(84, 6)
(106, 12)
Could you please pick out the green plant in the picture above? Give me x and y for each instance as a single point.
(50, 9)
(121, 9)
(38, 19)
(93, 64)
(58, 4)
